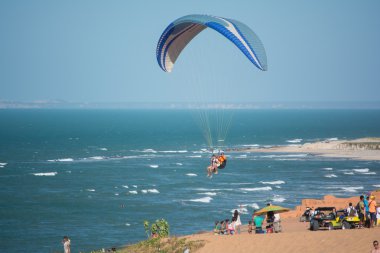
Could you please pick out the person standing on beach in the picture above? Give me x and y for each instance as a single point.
(360, 208)
(367, 214)
(66, 244)
(238, 221)
(372, 211)
(376, 248)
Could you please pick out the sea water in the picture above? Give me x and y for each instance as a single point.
(96, 175)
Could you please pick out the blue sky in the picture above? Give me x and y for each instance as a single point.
(104, 51)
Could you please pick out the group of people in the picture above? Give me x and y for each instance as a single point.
(272, 223)
(367, 211)
(217, 162)
(225, 227)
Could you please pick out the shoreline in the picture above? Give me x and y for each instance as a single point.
(367, 149)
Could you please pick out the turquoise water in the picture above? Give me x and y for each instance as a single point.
(96, 175)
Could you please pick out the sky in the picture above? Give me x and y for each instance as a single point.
(92, 51)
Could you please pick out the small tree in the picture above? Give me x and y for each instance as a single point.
(158, 229)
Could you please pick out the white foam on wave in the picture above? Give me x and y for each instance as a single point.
(278, 187)
(134, 186)
(90, 190)
(125, 186)
(61, 160)
(294, 141)
(179, 164)
(2, 165)
(278, 199)
(370, 173)
(133, 192)
(202, 200)
(251, 145)
(174, 151)
(349, 173)
(332, 139)
(241, 209)
(266, 188)
(194, 156)
(191, 175)
(127, 224)
(352, 188)
(145, 191)
(376, 185)
(208, 193)
(331, 175)
(130, 157)
(361, 170)
(327, 168)
(154, 166)
(254, 206)
(148, 150)
(273, 182)
(103, 149)
(46, 174)
(241, 156)
(116, 194)
(97, 158)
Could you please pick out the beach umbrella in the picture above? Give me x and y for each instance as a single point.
(274, 209)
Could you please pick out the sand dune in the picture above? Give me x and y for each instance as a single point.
(296, 237)
(360, 149)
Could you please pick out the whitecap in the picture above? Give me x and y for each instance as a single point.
(130, 157)
(376, 185)
(46, 174)
(103, 149)
(361, 170)
(134, 186)
(96, 157)
(208, 193)
(251, 145)
(278, 187)
(241, 210)
(149, 150)
(127, 224)
(278, 199)
(179, 164)
(153, 191)
(154, 166)
(202, 200)
(254, 206)
(349, 173)
(144, 191)
(116, 194)
(352, 188)
(331, 175)
(62, 160)
(273, 182)
(174, 151)
(241, 156)
(125, 186)
(194, 156)
(2, 165)
(327, 168)
(266, 188)
(133, 192)
(332, 139)
(90, 190)
(191, 175)
(370, 173)
(294, 141)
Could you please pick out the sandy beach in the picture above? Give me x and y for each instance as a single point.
(296, 236)
(359, 149)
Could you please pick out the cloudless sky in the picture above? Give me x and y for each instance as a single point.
(104, 51)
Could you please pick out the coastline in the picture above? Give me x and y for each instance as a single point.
(367, 149)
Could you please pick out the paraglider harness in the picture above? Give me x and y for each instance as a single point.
(223, 161)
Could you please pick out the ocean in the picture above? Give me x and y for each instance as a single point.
(96, 175)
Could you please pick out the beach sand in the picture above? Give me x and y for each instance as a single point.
(296, 236)
(359, 149)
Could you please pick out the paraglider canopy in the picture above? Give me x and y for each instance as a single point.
(180, 32)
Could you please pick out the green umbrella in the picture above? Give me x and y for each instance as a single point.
(274, 209)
